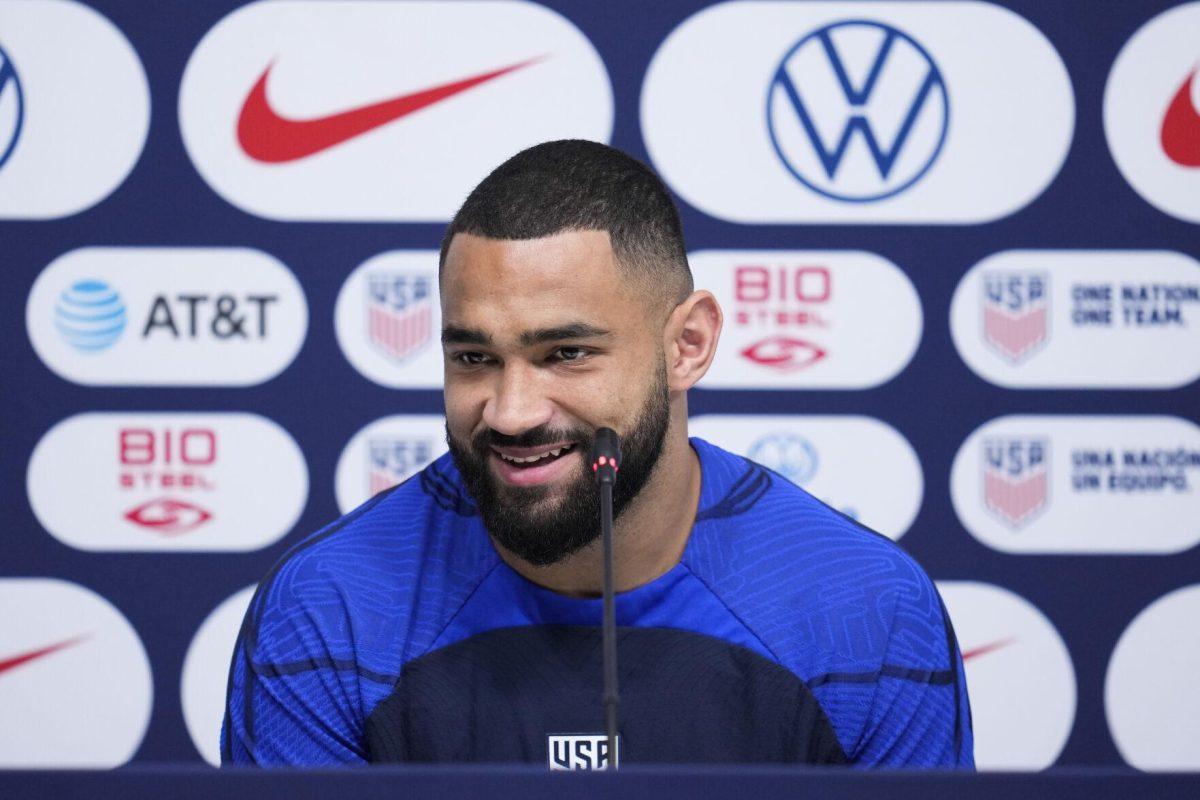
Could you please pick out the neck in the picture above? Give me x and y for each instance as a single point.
(649, 537)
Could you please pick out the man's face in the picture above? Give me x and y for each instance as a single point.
(545, 341)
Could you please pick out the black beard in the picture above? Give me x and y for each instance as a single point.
(524, 519)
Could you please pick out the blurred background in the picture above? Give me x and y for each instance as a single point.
(955, 244)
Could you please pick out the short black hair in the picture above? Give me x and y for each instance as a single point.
(576, 185)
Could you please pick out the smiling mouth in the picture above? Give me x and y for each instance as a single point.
(535, 459)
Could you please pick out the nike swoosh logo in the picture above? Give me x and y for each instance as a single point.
(13, 662)
(975, 652)
(1180, 134)
(274, 139)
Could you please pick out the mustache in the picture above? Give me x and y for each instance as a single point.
(543, 434)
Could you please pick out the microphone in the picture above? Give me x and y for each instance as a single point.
(606, 462)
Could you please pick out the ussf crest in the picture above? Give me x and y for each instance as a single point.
(399, 312)
(1015, 478)
(1015, 314)
(580, 751)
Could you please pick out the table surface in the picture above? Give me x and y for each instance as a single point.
(533, 783)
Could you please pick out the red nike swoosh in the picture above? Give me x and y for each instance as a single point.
(1180, 133)
(266, 136)
(23, 658)
(975, 652)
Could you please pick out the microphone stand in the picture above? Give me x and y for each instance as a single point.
(606, 454)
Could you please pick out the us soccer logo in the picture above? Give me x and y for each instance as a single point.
(1015, 478)
(1015, 313)
(392, 460)
(399, 313)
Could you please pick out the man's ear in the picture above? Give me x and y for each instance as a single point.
(690, 339)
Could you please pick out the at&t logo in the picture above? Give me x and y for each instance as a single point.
(793, 457)
(1015, 482)
(89, 315)
(12, 107)
(858, 111)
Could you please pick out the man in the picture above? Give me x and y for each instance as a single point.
(456, 617)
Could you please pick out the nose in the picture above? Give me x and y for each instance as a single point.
(518, 403)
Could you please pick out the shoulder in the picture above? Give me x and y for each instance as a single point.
(823, 592)
(351, 589)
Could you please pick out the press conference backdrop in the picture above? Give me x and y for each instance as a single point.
(956, 244)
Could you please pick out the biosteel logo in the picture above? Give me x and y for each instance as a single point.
(1080, 484)
(206, 673)
(808, 319)
(1152, 112)
(857, 112)
(385, 453)
(167, 481)
(843, 460)
(75, 682)
(166, 316)
(1019, 675)
(378, 111)
(1080, 319)
(388, 320)
(1150, 689)
(71, 128)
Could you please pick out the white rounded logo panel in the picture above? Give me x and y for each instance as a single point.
(857, 112)
(1080, 319)
(379, 111)
(1150, 691)
(1080, 484)
(1019, 676)
(75, 682)
(385, 453)
(858, 465)
(166, 316)
(167, 481)
(388, 320)
(71, 127)
(808, 319)
(1152, 112)
(206, 673)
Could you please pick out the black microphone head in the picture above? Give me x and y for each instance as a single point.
(606, 452)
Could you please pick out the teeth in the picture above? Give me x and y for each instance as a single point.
(530, 459)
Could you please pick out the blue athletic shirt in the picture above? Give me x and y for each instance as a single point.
(786, 633)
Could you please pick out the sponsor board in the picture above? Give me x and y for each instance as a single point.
(71, 128)
(388, 320)
(206, 673)
(1080, 484)
(166, 316)
(1019, 676)
(182, 481)
(75, 682)
(858, 465)
(1152, 112)
(1085, 319)
(385, 453)
(1150, 692)
(381, 111)
(808, 319)
(857, 112)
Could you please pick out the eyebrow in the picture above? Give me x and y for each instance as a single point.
(574, 330)
(455, 334)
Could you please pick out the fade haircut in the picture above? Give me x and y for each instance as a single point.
(577, 185)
